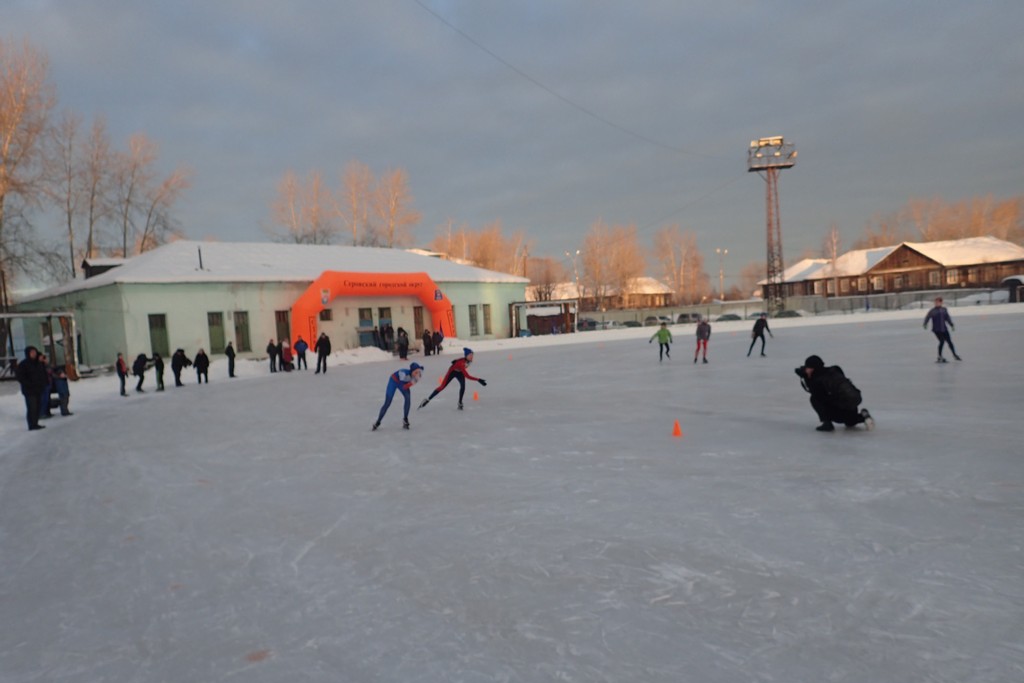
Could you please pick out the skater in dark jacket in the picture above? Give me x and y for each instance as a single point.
(459, 371)
(202, 364)
(402, 340)
(122, 372)
(158, 366)
(31, 374)
(402, 381)
(833, 396)
(323, 349)
(760, 327)
(229, 352)
(139, 370)
(940, 319)
(272, 355)
(179, 361)
(703, 335)
(437, 338)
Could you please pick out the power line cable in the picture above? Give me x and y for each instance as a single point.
(558, 95)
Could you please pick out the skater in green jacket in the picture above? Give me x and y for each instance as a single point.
(664, 339)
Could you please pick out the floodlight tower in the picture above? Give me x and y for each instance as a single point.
(768, 156)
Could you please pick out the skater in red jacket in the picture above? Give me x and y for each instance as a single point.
(459, 370)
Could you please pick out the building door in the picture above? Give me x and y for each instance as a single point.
(215, 323)
(384, 316)
(158, 340)
(283, 328)
(242, 344)
(417, 320)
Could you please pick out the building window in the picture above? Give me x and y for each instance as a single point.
(934, 278)
(844, 286)
(830, 287)
(242, 343)
(972, 274)
(897, 282)
(158, 338)
(326, 315)
(215, 324)
(952, 276)
(487, 319)
(365, 317)
(878, 283)
(384, 316)
(818, 287)
(281, 325)
(473, 325)
(862, 284)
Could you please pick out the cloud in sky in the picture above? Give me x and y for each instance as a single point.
(884, 101)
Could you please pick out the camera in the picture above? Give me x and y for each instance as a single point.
(799, 372)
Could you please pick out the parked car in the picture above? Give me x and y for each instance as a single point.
(632, 323)
(688, 318)
(788, 314)
(665, 319)
(586, 324)
(755, 315)
(610, 324)
(725, 317)
(651, 321)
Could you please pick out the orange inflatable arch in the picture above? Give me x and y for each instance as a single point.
(333, 283)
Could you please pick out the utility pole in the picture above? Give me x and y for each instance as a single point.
(766, 157)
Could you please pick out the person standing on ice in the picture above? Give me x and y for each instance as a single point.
(229, 352)
(158, 365)
(202, 365)
(139, 370)
(940, 319)
(703, 335)
(300, 351)
(122, 372)
(664, 338)
(31, 374)
(760, 327)
(833, 396)
(400, 381)
(458, 370)
(179, 361)
(272, 355)
(323, 349)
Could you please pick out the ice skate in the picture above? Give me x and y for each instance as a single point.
(405, 424)
(460, 406)
(957, 357)
(694, 360)
(376, 425)
(869, 422)
(705, 360)
(940, 359)
(825, 427)
(423, 403)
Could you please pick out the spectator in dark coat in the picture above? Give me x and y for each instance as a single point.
(60, 383)
(403, 344)
(179, 361)
(230, 353)
(833, 396)
(300, 351)
(272, 353)
(31, 376)
(202, 364)
(139, 370)
(437, 339)
(428, 343)
(323, 349)
(158, 365)
(122, 372)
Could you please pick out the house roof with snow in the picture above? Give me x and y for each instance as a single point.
(805, 269)
(567, 290)
(179, 262)
(969, 251)
(857, 262)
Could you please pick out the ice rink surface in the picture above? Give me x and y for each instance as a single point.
(255, 529)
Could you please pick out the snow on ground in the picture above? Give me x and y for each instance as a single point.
(256, 530)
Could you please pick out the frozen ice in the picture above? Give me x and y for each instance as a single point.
(255, 529)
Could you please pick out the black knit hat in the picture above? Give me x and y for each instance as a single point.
(814, 362)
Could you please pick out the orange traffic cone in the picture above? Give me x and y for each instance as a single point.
(476, 396)
(677, 430)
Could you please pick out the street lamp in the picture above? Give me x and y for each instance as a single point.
(576, 274)
(721, 272)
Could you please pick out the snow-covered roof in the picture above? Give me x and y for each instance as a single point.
(638, 285)
(647, 285)
(969, 251)
(104, 261)
(805, 269)
(857, 262)
(178, 262)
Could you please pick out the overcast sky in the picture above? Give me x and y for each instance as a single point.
(548, 115)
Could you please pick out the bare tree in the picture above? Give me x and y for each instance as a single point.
(157, 224)
(626, 262)
(26, 100)
(545, 274)
(97, 182)
(305, 210)
(354, 201)
(595, 258)
(937, 219)
(682, 263)
(133, 174)
(392, 205)
(750, 275)
(64, 175)
(286, 211)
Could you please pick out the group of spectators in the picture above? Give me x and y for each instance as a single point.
(39, 381)
(432, 342)
(285, 358)
(179, 361)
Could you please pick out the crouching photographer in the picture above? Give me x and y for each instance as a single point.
(833, 396)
